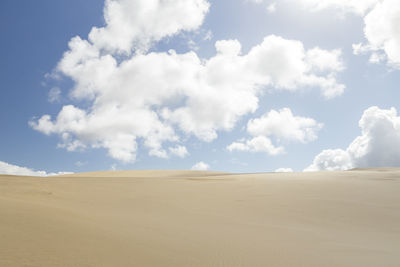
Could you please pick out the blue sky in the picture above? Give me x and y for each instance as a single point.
(251, 86)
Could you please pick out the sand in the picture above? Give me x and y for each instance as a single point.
(188, 218)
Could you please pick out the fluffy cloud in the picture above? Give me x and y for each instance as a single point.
(132, 24)
(377, 146)
(281, 125)
(285, 64)
(200, 166)
(6, 168)
(381, 18)
(331, 160)
(256, 144)
(383, 33)
(179, 151)
(146, 99)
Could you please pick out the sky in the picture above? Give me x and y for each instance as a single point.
(227, 85)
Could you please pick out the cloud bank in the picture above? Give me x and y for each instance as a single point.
(377, 146)
(10, 169)
(125, 97)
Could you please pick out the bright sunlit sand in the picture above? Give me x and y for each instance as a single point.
(189, 218)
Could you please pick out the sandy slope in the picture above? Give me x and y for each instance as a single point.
(178, 218)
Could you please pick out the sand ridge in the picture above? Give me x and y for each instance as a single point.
(146, 173)
(193, 218)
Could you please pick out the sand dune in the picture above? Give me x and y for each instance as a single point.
(189, 218)
(146, 173)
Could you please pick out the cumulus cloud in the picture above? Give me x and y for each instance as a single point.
(281, 125)
(322, 60)
(377, 146)
(285, 64)
(331, 160)
(148, 99)
(256, 144)
(10, 169)
(200, 166)
(135, 25)
(179, 151)
(382, 32)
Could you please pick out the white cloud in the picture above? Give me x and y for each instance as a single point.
(256, 144)
(323, 60)
(133, 99)
(331, 160)
(284, 170)
(144, 99)
(10, 169)
(354, 6)
(282, 126)
(200, 166)
(377, 146)
(54, 95)
(381, 30)
(290, 66)
(136, 24)
(179, 151)
(383, 33)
